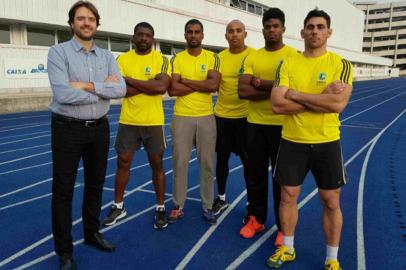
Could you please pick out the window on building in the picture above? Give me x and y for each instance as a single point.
(259, 10)
(40, 37)
(399, 9)
(401, 46)
(119, 44)
(4, 34)
(103, 42)
(367, 39)
(399, 27)
(379, 11)
(251, 8)
(170, 48)
(398, 19)
(63, 35)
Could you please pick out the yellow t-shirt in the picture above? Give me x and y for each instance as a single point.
(142, 109)
(312, 75)
(194, 68)
(263, 64)
(228, 104)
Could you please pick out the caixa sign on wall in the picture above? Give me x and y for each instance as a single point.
(25, 68)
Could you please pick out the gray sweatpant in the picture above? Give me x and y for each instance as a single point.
(188, 131)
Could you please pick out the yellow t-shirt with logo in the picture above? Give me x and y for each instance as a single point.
(142, 109)
(194, 68)
(228, 104)
(263, 64)
(312, 75)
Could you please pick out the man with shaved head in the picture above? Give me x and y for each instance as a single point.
(230, 111)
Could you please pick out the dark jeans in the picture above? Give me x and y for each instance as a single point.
(263, 144)
(72, 141)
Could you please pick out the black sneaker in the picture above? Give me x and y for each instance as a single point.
(219, 206)
(161, 221)
(209, 216)
(114, 215)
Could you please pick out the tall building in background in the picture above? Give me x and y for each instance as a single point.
(385, 31)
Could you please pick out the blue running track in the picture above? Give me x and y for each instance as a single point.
(373, 202)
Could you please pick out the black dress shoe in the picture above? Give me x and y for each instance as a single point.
(67, 263)
(99, 242)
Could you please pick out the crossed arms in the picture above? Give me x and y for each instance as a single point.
(333, 99)
(181, 86)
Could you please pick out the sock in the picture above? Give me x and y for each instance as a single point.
(331, 253)
(160, 206)
(119, 205)
(222, 197)
(289, 242)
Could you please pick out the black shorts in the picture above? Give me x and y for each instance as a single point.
(231, 135)
(129, 138)
(324, 160)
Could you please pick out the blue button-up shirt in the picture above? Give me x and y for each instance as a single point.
(69, 61)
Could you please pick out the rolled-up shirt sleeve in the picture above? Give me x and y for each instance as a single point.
(63, 93)
(110, 90)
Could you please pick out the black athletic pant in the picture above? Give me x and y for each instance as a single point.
(263, 143)
(73, 140)
(231, 138)
(222, 170)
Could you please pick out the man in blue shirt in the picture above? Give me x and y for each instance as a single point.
(83, 79)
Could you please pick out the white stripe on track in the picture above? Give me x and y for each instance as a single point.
(370, 108)
(26, 168)
(27, 139)
(25, 126)
(25, 157)
(23, 135)
(29, 200)
(211, 230)
(360, 215)
(48, 237)
(377, 94)
(24, 148)
(248, 252)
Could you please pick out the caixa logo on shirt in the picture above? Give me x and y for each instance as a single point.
(203, 68)
(148, 70)
(321, 78)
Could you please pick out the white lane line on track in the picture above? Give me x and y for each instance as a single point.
(48, 237)
(26, 139)
(377, 94)
(29, 200)
(248, 252)
(168, 195)
(25, 148)
(79, 169)
(211, 230)
(48, 122)
(360, 204)
(23, 135)
(370, 108)
(25, 157)
(26, 168)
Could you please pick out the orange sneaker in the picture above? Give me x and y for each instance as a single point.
(251, 228)
(279, 239)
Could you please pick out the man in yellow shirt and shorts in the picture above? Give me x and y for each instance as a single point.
(311, 89)
(147, 75)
